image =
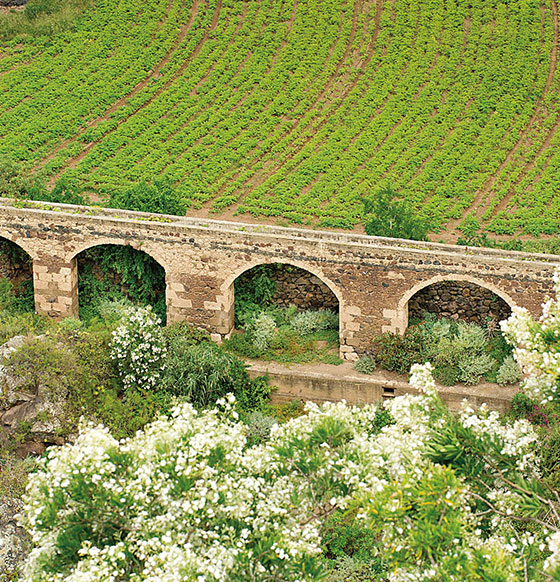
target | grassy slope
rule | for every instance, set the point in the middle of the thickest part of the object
(296, 108)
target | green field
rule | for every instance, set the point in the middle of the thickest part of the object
(298, 108)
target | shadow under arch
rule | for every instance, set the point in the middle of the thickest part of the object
(16, 265)
(400, 322)
(22, 244)
(106, 269)
(228, 288)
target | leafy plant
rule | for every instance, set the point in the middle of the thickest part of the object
(203, 373)
(366, 365)
(159, 197)
(261, 330)
(385, 216)
(508, 372)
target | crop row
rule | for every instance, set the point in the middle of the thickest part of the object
(298, 108)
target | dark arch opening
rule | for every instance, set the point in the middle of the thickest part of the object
(291, 309)
(109, 272)
(459, 300)
(16, 270)
(283, 285)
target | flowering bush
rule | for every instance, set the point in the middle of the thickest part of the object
(537, 347)
(138, 348)
(188, 498)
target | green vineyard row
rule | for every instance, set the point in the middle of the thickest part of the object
(299, 108)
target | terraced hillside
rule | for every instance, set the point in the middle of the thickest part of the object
(297, 108)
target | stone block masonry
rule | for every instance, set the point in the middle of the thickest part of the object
(372, 278)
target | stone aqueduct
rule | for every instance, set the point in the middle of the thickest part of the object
(373, 278)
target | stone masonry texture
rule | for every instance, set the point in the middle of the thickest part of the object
(372, 278)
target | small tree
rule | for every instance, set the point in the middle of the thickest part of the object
(385, 216)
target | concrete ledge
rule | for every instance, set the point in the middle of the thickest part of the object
(324, 382)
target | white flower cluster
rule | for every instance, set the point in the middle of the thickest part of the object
(137, 348)
(552, 563)
(517, 439)
(537, 346)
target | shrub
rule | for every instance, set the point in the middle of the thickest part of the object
(43, 363)
(112, 310)
(204, 373)
(158, 197)
(446, 374)
(137, 348)
(385, 216)
(259, 426)
(343, 536)
(521, 405)
(261, 331)
(184, 332)
(366, 365)
(398, 353)
(309, 321)
(473, 367)
(348, 569)
(509, 372)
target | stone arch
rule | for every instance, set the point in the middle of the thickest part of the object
(22, 244)
(227, 297)
(399, 322)
(152, 252)
(74, 258)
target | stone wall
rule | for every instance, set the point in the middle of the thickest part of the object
(10, 3)
(13, 265)
(458, 300)
(295, 286)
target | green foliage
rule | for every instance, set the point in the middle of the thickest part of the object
(447, 374)
(258, 427)
(382, 419)
(283, 412)
(346, 537)
(310, 321)
(159, 197)
(273, 117)
(16, 182)
(13, 475)
(184, 333)
(460, 351)
(521, 405)
(40, 362)
(366, 365)
(508, 372)
(347, 569)
(261, 330)
(114, 272)
(35, 8)
(385, 216)
(204, 373)
(42, 18)
(254, 290)
(288, 346)
(397, 353)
